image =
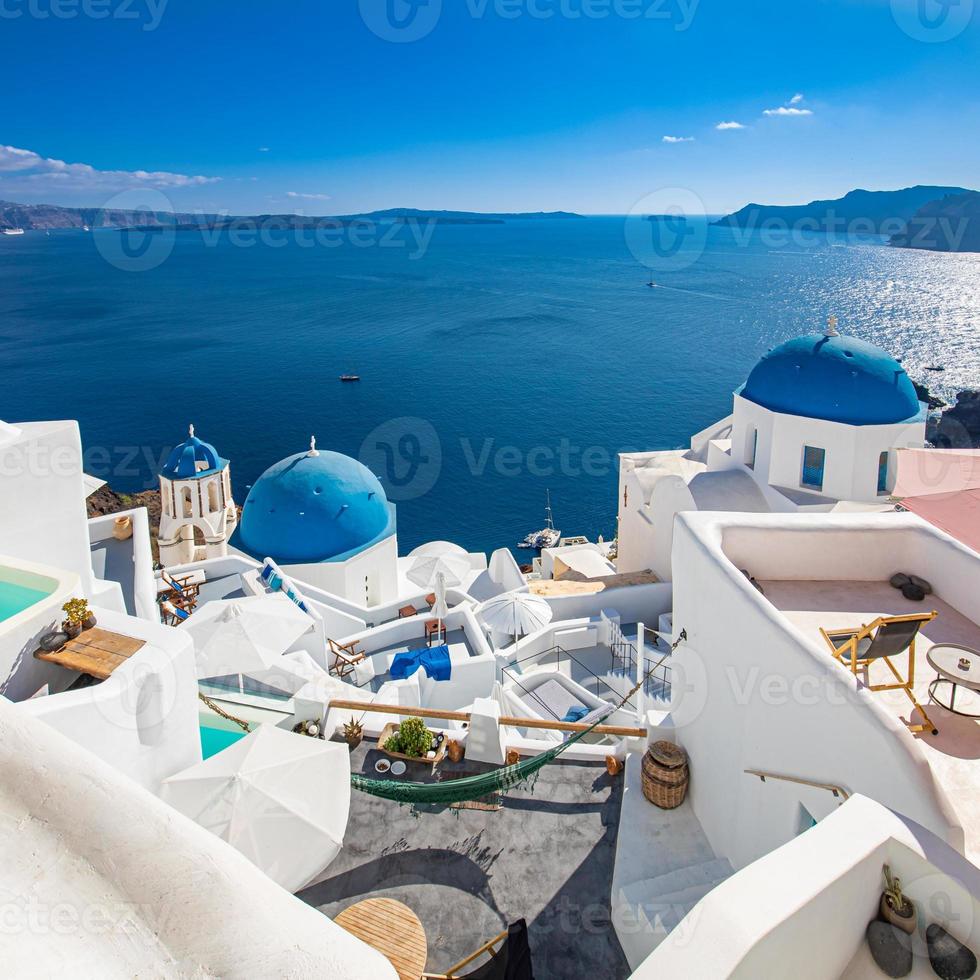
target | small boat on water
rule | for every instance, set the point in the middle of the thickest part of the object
(935, 367)
(12, 231)
(653, 285)
(548, 536)
(350, 377)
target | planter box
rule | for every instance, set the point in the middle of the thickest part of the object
(390, 729)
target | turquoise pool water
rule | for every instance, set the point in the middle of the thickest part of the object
(16, 598)
(214, 740)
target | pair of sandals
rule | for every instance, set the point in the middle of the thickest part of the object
(914, 588)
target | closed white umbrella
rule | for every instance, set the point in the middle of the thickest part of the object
(281, 799)
(435, 567)
(241, 636)
(516, 613)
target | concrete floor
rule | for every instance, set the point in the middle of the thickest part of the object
(547, 855)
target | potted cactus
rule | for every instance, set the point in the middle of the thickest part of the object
(78, 616)
(353, 733)
(895, 907)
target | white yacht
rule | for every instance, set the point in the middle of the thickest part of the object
(548, 536)
(12, 231)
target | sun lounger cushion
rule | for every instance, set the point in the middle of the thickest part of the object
(556, 699)
(435, 660)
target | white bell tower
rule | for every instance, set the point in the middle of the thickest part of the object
(196, 502)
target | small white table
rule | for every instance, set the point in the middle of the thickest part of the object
(958, 666)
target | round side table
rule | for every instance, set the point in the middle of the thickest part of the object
(958, 666)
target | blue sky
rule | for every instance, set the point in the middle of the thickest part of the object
(255, 106)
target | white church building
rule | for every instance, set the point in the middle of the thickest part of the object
(815, 428)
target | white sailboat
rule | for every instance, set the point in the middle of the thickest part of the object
(548, 536)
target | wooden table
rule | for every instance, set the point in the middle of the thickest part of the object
(433, 629)
(391, 928)
(407, 611)
(96, 651)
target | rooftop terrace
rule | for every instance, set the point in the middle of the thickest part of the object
(546, 856)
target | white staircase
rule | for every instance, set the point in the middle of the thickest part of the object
(664, 867)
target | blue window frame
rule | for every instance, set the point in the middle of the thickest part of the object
(883, 473)
(813, 466)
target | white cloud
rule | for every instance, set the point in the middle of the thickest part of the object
(308, 197)
(797, 99)
(678, 139)
(27, 168)
(729, 125)
(263, 149)
(786, 110)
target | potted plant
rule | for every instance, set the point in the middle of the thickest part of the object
(412, 739)
(455, 751)
(895, 907)
(78, 616)
(353, 733)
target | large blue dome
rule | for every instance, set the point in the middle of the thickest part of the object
(312, 508)
(840, 379)
(191, 458)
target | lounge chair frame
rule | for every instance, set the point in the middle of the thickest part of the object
(453, 972)
(849, 648)
(346, 657)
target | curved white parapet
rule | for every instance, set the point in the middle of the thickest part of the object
(809, 902)
(101, 879)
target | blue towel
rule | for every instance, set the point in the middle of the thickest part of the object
(435, 661)
(576, 714)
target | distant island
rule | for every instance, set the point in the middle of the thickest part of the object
(951, 224)
(41, 217)
(860, 212)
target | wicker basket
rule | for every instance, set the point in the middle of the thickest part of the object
(665, 775)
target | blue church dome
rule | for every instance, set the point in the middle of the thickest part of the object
(836, 378)
(313, 507)
(183, 461)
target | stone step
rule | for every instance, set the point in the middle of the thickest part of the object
(717, 869)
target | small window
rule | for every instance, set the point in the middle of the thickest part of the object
(883, 473)
(753, 449)
(813, 465)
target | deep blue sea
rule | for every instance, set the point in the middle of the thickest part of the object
(496, 362)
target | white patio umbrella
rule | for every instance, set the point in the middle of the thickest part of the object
(281, 799)
(436, 548)
(515, 613)
(239, 636)
(437, 569)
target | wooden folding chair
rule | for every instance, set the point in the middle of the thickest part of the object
(886, 637)
(346, 657)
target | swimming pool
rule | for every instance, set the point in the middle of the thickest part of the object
(19, 590)
(215, 740)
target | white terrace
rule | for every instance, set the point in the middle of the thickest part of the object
(765, 693)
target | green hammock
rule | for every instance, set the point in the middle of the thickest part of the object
(469, 787)
(475, 787)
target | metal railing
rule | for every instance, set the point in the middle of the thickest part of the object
(839, 792)
(584, 677)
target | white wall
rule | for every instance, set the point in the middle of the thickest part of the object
(751, 692)
(852, 451)
(810, 901)
(139, 889)
(143, 720)
(368, 579)
(42, 498)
